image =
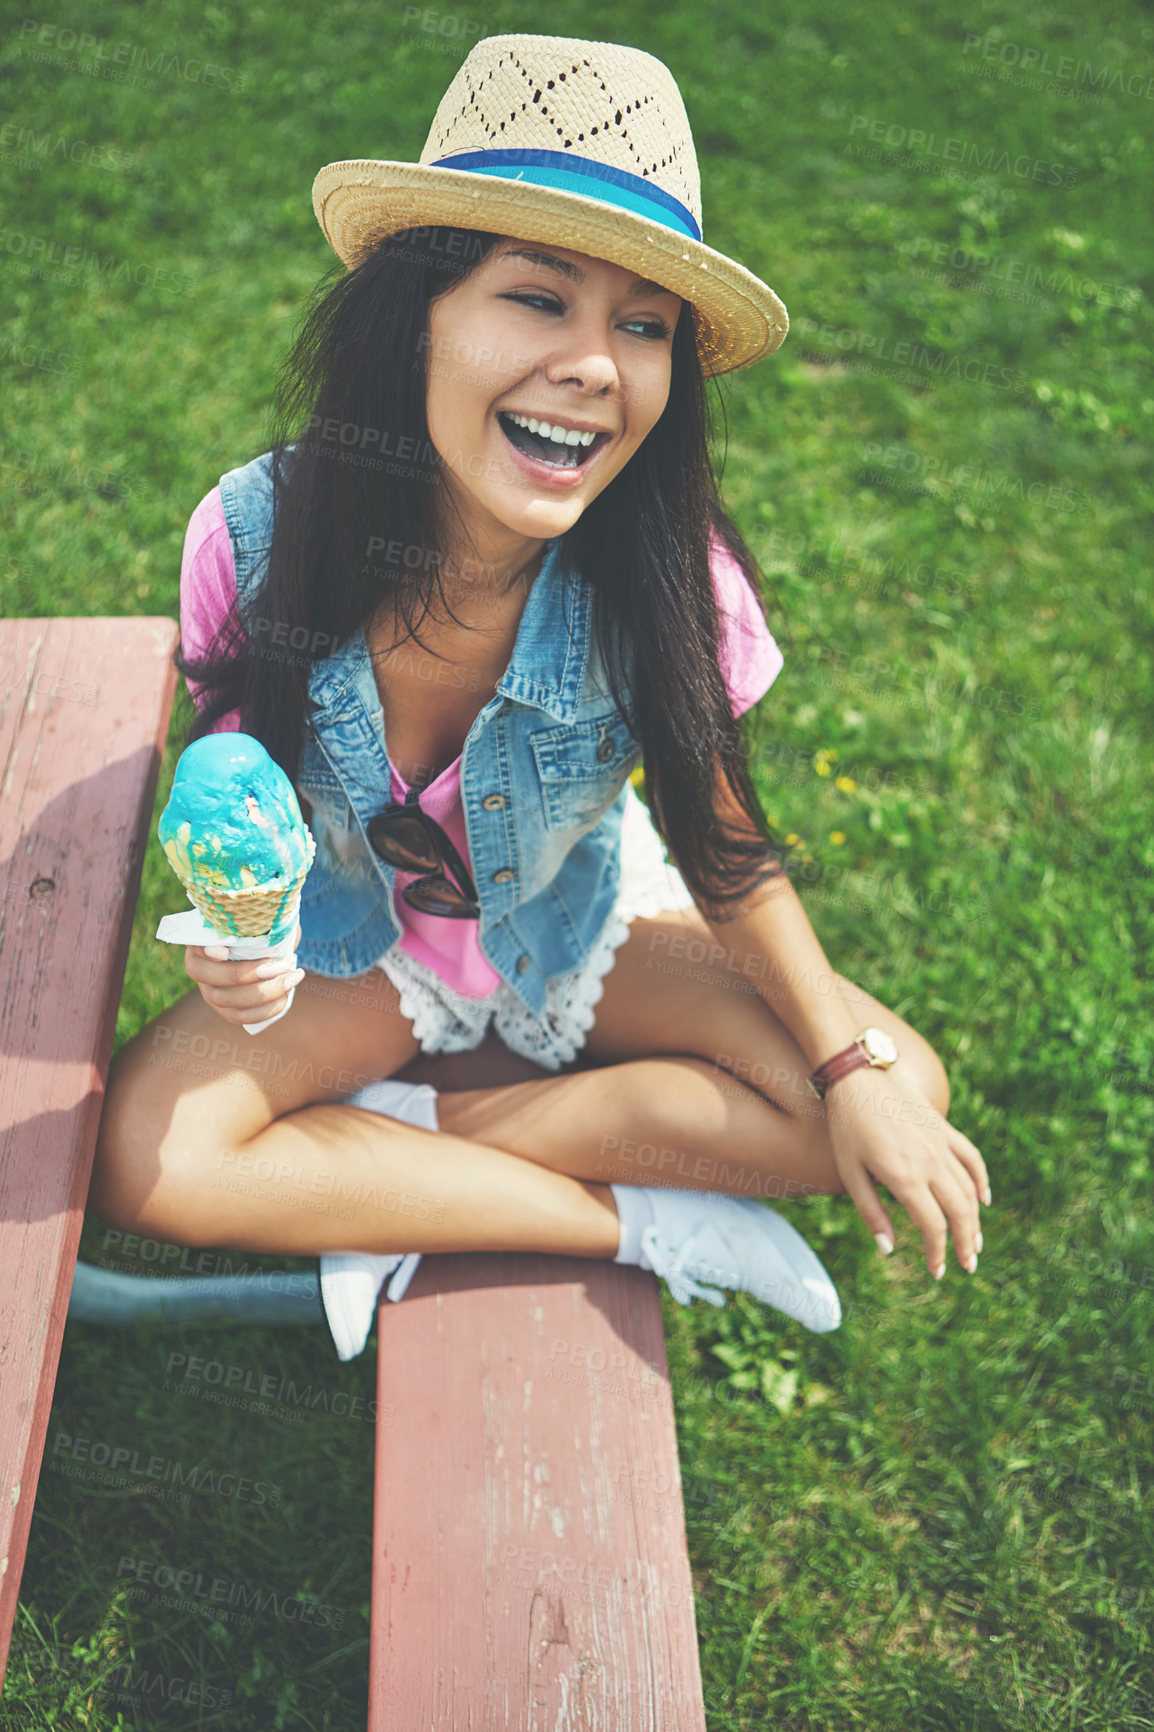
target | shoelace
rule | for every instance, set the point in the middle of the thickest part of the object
(672, 1267)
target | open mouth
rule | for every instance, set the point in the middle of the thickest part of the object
(548, 451)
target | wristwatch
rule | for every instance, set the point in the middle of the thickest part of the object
(872, 1046)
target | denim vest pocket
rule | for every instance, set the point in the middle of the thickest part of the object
(582, 768)
(334, 901)
(326, 795)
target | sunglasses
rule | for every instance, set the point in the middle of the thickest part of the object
(406, 837)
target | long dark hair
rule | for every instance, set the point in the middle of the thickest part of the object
(350, 401)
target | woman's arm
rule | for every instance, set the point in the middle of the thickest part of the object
(882, 1127)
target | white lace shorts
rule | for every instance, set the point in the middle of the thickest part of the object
(444, 1021)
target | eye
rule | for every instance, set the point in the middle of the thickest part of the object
(655, 330)
(530, 300)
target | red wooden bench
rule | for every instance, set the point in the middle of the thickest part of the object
(84, 706)
(522, 1577)
(523, 1574)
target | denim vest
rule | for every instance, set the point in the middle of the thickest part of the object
(543, 778)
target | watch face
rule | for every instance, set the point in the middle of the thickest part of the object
(879, 1046)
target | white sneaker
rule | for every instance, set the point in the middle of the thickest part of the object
(696, 1236)
(351, 1280)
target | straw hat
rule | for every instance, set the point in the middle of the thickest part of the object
(587, 144)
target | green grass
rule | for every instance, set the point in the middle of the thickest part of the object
(938, 1517)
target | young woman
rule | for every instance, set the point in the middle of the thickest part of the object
(484, 573)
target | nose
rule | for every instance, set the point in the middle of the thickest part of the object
(583, 358)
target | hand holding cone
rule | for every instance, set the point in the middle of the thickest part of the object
(234, 835)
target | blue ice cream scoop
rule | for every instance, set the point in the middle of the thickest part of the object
(232, 824)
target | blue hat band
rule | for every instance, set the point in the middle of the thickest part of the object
(568, 173)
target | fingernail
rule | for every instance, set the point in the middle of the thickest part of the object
(274, 966)
(885, 1243)
(989, 1196)
(295, 979)
(971, 1263)
(978, 1242)
(939, 1272)
(216, 953)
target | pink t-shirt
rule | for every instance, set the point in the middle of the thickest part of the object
(750, 661)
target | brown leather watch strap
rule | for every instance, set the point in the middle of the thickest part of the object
(871, 1046)
(852, 1058)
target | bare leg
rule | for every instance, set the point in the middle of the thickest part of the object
(259, 1164)
(520, 1167)
(337, 1178)
(210, 1136)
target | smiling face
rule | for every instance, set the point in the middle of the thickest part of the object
(540, 336)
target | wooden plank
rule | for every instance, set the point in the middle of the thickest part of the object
(525, 1579)
(84, 707)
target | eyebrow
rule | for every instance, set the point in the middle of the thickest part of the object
(565, 268)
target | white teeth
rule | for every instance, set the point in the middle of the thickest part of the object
(560, 435)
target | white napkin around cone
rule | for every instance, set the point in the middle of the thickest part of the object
(190, 927)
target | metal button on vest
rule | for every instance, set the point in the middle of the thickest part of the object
(522, 964)
(605, 750)
(493, 802)
(503, 877)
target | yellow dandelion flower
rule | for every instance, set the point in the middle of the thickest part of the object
(822, 767)
(845, 784)
(792, 838)
(837, 837)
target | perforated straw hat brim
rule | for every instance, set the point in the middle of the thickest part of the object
(585, 144)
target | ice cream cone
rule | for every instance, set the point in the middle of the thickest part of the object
(253, 912)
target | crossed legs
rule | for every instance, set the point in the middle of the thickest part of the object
(262, 1154)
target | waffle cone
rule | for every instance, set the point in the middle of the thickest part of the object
(253, 912)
